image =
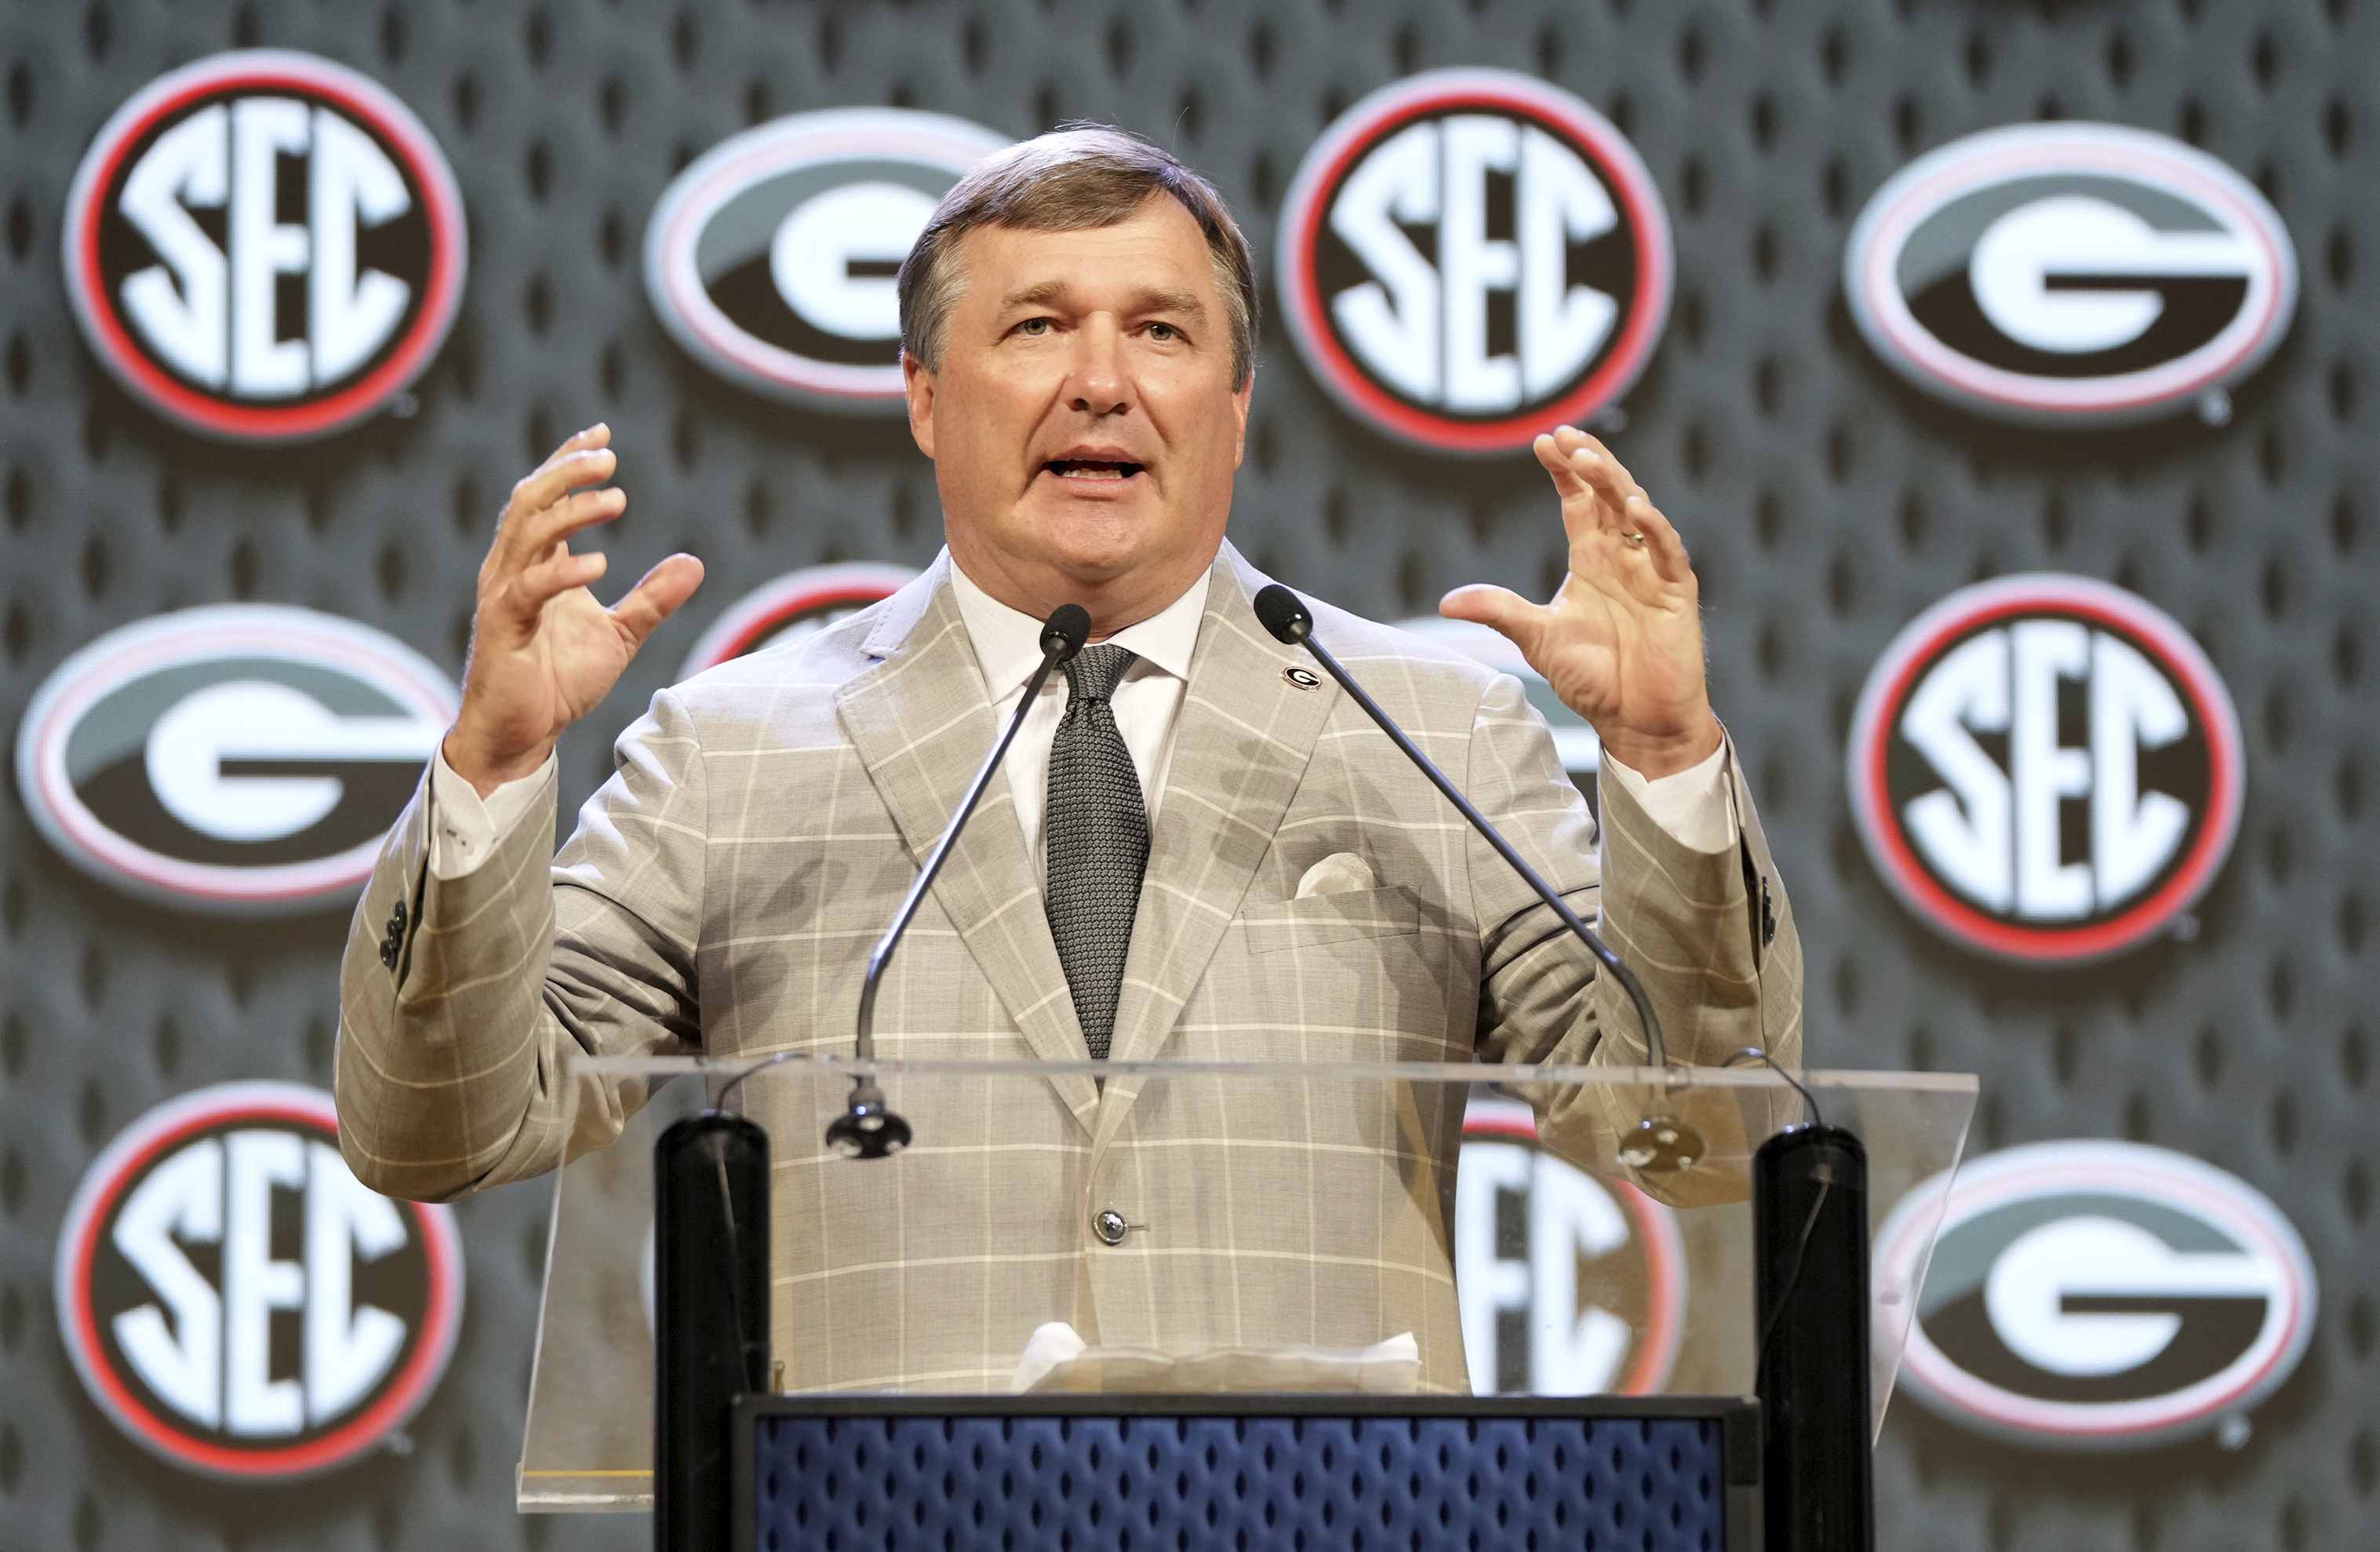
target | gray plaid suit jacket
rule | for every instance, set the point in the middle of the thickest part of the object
(724, 886)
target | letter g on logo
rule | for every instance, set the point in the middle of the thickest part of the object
(2097, 1293)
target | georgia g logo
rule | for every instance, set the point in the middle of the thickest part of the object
(240, 759)
(2101, 1294)
(2072, 274)
(1470, 257)
(772, 257)
(238, 1302)
(264, 245)
(2045, 768)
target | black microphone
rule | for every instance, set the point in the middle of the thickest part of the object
(1660, 1143)
(868, 1128)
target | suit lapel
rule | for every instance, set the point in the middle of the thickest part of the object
(920, 721)
(1239, 752)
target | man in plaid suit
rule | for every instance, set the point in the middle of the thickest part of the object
(1078, 323)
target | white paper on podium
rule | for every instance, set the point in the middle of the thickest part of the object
(1057, 1359)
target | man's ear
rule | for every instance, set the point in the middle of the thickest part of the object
(918, 383)
(1241, 399)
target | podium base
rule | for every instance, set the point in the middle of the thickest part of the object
(1188, 1474)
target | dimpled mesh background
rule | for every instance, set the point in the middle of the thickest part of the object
(1825, 505)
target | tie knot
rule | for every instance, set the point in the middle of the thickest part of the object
(1093, 673)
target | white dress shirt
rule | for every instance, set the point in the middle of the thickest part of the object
(1693, 805)
(1147, 702)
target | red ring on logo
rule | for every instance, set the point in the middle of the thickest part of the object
(363, 100)
(1369, 122)
(1656, 1229)
(1918, 647)
(773, 605)
(177, 1121)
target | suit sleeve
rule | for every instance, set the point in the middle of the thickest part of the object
(463, 999)
(1709, 934)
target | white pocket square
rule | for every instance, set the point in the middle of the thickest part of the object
(1342, 872)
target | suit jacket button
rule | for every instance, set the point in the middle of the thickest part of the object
(1110, 1226)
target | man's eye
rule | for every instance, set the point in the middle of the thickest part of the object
(1033, 326)
(1162, 331)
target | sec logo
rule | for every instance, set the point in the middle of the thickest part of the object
(772, 257)
(2101, 1294)
(244, 759)
(264, 245)
(797, 605)
(2075, 273)
(238, 1303)
(1471, 257)
(2045, 768)
(1570, 1285)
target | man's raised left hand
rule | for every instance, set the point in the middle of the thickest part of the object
(1622, 643)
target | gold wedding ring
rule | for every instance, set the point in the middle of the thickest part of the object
(1634, 538)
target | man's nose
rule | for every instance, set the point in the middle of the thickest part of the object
(1097, 384)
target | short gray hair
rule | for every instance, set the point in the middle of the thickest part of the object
(1074, 178)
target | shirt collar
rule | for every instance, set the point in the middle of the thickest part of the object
(1008, 641)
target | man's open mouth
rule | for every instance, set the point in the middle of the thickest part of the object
(1091, 469)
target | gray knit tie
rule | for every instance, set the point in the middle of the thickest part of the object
(1098, 832)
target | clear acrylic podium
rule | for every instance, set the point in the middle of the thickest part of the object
(1169, 1240)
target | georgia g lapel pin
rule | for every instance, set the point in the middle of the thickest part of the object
(1303, 678)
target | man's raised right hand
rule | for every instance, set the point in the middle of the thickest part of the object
(543, 652)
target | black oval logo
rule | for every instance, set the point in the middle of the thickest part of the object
(2097, 1293)
(771, 258)
(2071, 273)
(264, 245)
(245, 759)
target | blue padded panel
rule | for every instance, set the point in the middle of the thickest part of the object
(1238, 1485)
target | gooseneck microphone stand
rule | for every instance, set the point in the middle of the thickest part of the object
(1661, 1144)
(1809, 1191)
(867, 1128)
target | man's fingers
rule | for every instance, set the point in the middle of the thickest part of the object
(1593, 485)
(563, 473)
(1552, 453)
(540, 584)
(597, 435)
(567, 518)
(528, 532)
(584, 459)
(1662, 544)
(1499, 608)
(1605, 475)
(657, 596)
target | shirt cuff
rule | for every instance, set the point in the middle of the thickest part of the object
(464, 826)
(1694, 807)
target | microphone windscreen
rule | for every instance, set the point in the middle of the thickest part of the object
(1283, 612)
(1063, 633)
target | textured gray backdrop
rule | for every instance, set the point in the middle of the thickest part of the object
(1825, 504)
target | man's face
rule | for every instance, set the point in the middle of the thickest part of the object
(1084, 424)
